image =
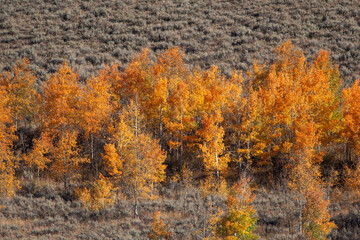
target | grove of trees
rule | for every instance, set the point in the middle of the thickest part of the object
(121, 133)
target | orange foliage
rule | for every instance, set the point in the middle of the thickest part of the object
(159, 230)
(351, 116)
(61, 100)
(290, 92)
(8, 183)
(36, 158)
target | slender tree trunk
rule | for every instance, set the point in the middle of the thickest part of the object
(93, 161)
(217, 167)
(160, 127)
(181, 159)
(38, 174)
(136, 214)
(248, 155)
(181, 147)
(65, 184)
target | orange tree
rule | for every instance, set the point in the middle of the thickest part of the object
(94, 114)
(61, 120)
(8, 184)
(305, 181)
(284, 89)
(351, 136)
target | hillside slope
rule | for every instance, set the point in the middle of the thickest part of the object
(231, 34)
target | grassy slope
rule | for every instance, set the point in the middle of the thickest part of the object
(231, 34)
(227, 33)
(43, 214)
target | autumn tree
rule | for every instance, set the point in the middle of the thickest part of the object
(134, 157)
(8, 183)
(351, 118)
(159, 229)
(95, 112)
(242, 123)
(306, 183)
(351, 136)
(284, 89)
(61, 121)
(162, 89)
(98, 196)
(211, 97)
(20, 84)
(38, 158)
(24, 101)
(213, 149)
(179, 119)
(239, 220)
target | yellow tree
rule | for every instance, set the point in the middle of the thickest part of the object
(98, 196)
(242, 123)
(8, 183)
(210, 98)
(66, 158)
(213, 148)
(161, 88)
(351, 118)
(179, 119)
(61, 100)
(134, 157)
(159, 229)
(169, 72)
(239, 221)
(20, 83)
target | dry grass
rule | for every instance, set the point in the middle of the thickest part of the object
(227, 33)
(185, 214)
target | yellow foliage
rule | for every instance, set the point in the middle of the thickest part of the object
(19, 83)
(239, 221)
(99, 196)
